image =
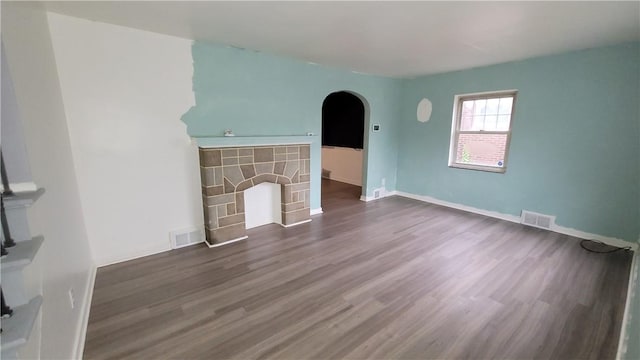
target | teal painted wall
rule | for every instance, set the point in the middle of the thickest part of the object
(257, 94)
(575, 150)
(575, 147)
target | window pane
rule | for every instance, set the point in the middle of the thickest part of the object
(466, 117)
(477, 124)
(492, 106)
(481, 149)
(467, 106)
(479, 107)
(505, 105)
(503, 122)
(490, 122)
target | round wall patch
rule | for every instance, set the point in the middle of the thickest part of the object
(424, 110)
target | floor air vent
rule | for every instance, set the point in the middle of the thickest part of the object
(537, 220)
(186, 237)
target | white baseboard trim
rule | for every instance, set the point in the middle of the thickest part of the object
(225, 243)
(21, 187)
(516, 219)
(595, 237)
(623, 342)
(431, 200)
(133, 257)
(295, 224)
(315, 211)
(84, 314)
(245, 237)
(382, 196)
(344, 180)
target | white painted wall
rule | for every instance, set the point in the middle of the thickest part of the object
(14, 151)
(262, 205)
(64, 261)
(124, 92)
(345, 164)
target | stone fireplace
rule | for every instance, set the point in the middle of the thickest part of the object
(226, 172)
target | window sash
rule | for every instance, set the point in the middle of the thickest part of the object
(482, 132)
(490, 95)
(496, 95)
(454, 150)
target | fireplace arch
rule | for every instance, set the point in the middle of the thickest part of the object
(227, 172)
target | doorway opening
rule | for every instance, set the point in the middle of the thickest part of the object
(344, 147)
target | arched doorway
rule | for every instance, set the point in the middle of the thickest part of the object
(344, 142)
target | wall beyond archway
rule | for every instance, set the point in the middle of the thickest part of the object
(345, 120)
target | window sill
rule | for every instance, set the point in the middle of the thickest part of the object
(499, 170)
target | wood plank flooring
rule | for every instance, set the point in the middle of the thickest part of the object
(393, 278)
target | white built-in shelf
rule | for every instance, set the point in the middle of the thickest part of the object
(16, 329)
(22, 254)
(22, 199)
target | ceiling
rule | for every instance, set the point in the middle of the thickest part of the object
(399, 39)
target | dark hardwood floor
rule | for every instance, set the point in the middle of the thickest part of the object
(392, 278)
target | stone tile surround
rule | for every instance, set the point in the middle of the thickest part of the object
(227, 172)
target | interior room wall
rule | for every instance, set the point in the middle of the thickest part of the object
(343, 164)
(125, 172)
(124, 92)
(257, 94)
(574, 148)
(64, 261)
(14, 150)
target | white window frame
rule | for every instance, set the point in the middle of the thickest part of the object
(455, 129)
